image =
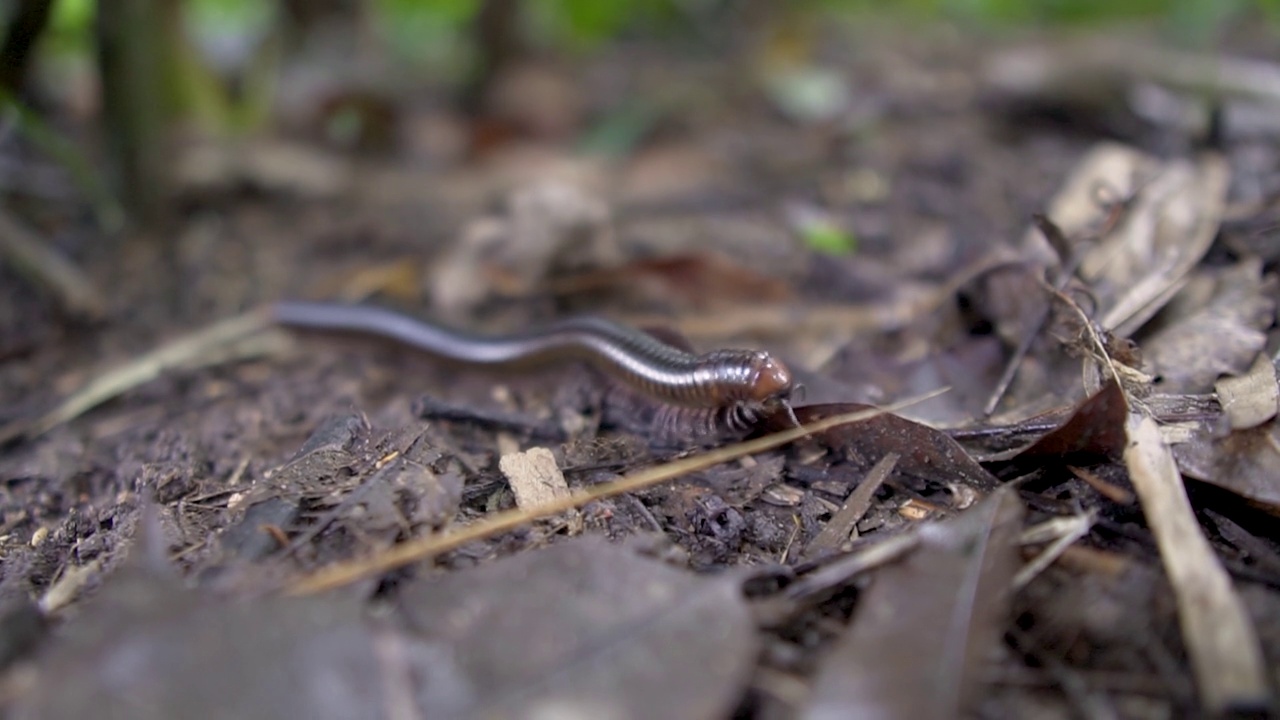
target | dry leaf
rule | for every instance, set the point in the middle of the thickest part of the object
(535, 477)
(1168, 215)
(1251, 399)
(924, 631)
(1219, 328)
(1243, 462)
(924, 452)
(549, 226)
(583, 629)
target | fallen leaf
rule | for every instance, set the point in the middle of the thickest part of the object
(549, 227)
(1243, 462)
(1157, 219)
(147, 648)
(1253, 398)
(922, 634)
(1216, 331)
(1094, 432)
(584, 629)
(924, 452)
(701, 280)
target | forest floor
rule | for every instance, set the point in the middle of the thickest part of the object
(250, 521)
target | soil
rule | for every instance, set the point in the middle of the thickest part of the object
(228, 479)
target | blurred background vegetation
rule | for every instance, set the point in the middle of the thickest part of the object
(138, 68)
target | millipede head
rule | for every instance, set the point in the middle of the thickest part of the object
(771, 380)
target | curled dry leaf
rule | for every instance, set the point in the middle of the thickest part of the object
(1253, 398)
(1158, 219)
(1095, 431)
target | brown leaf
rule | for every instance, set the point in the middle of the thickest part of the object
(923, 631)
(585, 629)
(925, 452)
(1218, 328)
(700, 279)
(1244, 462)
(1157, 220)
(146, 648)
(1095, 431)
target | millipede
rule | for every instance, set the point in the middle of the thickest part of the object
(724, 389)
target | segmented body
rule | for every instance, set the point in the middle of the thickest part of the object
(723, 386)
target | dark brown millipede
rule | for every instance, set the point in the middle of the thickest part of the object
(732, 386)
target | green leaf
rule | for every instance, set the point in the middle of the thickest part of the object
(829, 239)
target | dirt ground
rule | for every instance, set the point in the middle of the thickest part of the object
(170, 547)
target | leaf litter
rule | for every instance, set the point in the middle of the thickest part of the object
(1093, 534)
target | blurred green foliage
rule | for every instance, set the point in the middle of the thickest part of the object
(434, 31)
(583, 23)
(427, 32)
(230, 19)
(829, 239)
(69, 26)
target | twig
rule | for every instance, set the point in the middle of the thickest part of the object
(106, 209)
(1220, 639)
(841, 526)
(214, 344)
(1116, 211)
(422, 548)
(43, 265)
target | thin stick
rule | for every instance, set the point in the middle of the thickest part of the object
(421, 548)
(842, 524)
(43, 265)
(213, 344)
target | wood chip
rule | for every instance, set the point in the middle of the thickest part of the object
(535, 478)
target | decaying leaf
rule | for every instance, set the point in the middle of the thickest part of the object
(549, 226)
(1244, 462)
(700, 280)
(1220, 324)
(583, 629)
(924, 452)
(923, 631)
(274, 165)
(147, 648)
(1092, 76)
